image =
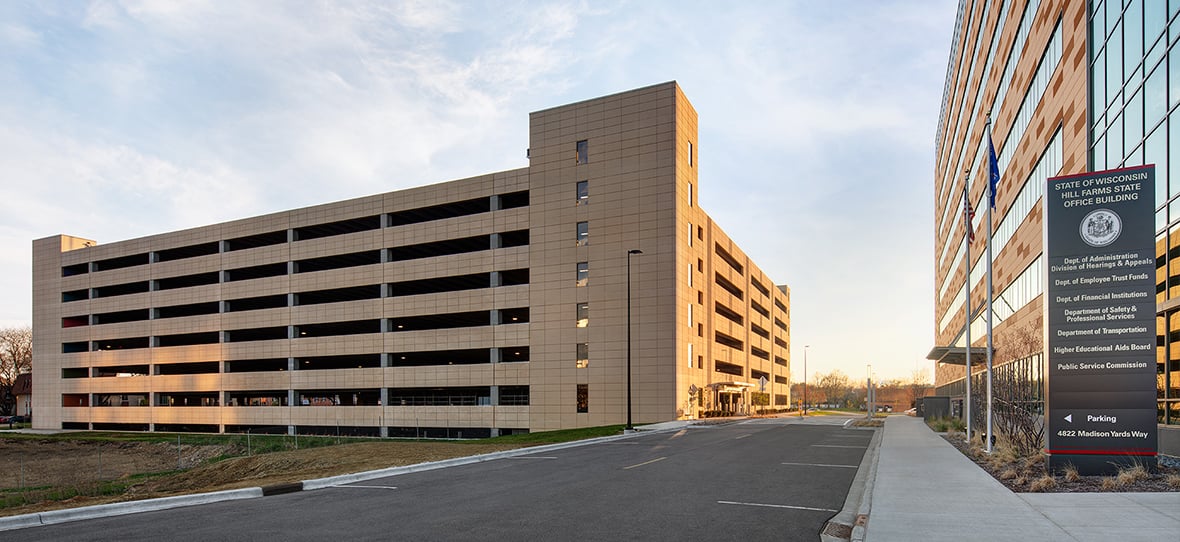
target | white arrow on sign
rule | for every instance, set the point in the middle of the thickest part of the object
(1069, 418)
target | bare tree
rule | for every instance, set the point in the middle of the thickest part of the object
(16, 357)
(835, 386)
(1018, 342)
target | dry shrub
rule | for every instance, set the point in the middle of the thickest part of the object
(1008, 474)
(1128, 476)
(1044, 483)
(1071, 474)
(1110, 483)
(1022, 480)
(1173, 481)
(1034, 462)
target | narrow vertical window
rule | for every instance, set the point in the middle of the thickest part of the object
(690, 234)
(690, 159)
(583, 233)
(583, 151)
(690, 355)
(583, 192)
(690, 315)
(583, 355)
(690, 275)
(583, 319)
(583, 398)
(690, 194)
(583, 273)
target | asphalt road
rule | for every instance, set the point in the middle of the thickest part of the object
(758, 480)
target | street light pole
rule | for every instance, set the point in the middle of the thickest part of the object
(630, 426)
(805, 347)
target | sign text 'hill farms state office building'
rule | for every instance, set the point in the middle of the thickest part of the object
(470, 308)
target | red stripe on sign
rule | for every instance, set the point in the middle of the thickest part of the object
(1103, 452)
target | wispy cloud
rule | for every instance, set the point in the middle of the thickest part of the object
(126, 118)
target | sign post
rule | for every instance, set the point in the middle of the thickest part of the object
(1100, 320)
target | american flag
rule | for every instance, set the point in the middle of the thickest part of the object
(969, 217)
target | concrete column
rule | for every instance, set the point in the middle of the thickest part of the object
(383, 429)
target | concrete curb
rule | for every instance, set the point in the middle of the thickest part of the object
(859, 502)
(121, 508)
(149, 505)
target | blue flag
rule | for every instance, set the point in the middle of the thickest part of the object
(994, 166)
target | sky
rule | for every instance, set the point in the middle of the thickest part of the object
(121, 119)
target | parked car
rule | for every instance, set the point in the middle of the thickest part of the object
(21, 419)
(7, 419)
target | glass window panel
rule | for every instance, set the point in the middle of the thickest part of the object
(1098, 74)
(583, 354)
(1155, 18)
(1113, 11)
(1114, 143)
(1133, 123)
(1157, 153)
(1114, 64)
(1174, 6)
(1100, 153)
(583, 190)
(1156, 52)
(583, 151)
(1174, 152)
(1135, 157)
(1173, 209)
(1174, 68)
(1098, 24)
(583, 273)
(1161, 219)
(583, 232)
(1133, 36)
(583, 318)
(1155, 98)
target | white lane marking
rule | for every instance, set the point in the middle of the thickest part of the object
(533, 457)
(822, 465)
(836, 446)
(368, 487)
(645, 463)
(740, 436)
(778, 506)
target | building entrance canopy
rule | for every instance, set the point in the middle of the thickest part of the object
(957, 355)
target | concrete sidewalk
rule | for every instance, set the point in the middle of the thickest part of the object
(925, 489)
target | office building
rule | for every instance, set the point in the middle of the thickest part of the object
(1070, 87)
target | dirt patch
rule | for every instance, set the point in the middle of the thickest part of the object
(39, 468)
(1030, 474)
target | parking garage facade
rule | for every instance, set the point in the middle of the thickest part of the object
(472, 308)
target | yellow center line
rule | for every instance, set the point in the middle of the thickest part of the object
(645, 463)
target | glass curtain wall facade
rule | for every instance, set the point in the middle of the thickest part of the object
(1134, 119)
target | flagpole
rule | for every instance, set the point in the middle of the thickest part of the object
(993, 174)
(967, 281)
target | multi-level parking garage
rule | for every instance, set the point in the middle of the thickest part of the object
(470, 308)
